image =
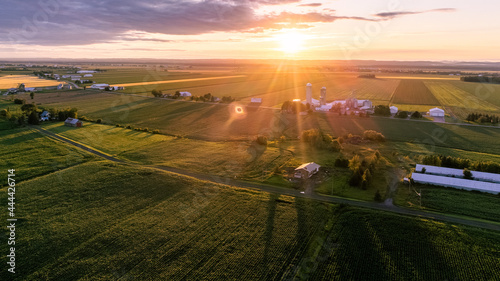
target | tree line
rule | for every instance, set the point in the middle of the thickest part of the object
(480, 118)
(481, 79)
(461, 163)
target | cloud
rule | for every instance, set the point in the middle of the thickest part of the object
(311, 5)
(78, 22)
(391, 15)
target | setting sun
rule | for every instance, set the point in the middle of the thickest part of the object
(291, 41)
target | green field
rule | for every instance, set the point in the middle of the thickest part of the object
(452, 201)
(413, 92)
(108, 221)
(32, 154)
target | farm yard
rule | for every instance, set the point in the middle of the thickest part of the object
(149, 224)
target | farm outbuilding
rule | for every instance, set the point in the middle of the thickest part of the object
(457, 173)
(394, 110)
(256, 100)
(436, 112)
(185, 94)
(73, 122)
(457, 183)
(306, 170)
(99, 86)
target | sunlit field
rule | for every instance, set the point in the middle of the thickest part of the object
(13, 81)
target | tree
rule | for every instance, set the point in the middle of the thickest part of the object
(33, 118)
(32, 95)
(28, 108)
(378, 196)
(261, 140)
(156, 93)
(382, 110)
(416, 115)
(354, 163)
(366, 179)
(402, 114)
(467, 174)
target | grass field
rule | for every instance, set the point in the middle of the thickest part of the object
(13, 81)
(31, 154)
(452, 201)
(147, 224)
(413, 92)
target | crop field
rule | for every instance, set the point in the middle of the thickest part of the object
(13, 81)
(32, 154)
(221, 122)
(482, 91)
(227, 159)
(413, 92)
(148, 224)
(452, 201)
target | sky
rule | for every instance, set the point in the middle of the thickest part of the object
(437, 30)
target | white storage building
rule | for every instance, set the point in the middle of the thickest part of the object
(436, 112)
(458, 183)
(450, 172)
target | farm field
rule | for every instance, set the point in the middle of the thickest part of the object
(452, 201)
(220, 122)
(13, 81)
(413, 92)
(32, 154)
(482, 91)
(147, 224)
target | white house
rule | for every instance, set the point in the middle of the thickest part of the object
(306, 170)
(394, 110)
(99, 86)
(185, 94)
(436, 112)
(45, 116)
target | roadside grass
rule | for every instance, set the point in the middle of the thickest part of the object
(109, 221)
(32, 154)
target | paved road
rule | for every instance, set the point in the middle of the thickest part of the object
(285, 191)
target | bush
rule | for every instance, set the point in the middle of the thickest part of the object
(416, 115)
(402, 114)
(355, 178)
(467, 174)
(99, 121)
(19, 101)
(118, 125)
(373, 136)
(378, 196)
(33, 118)
(129, 127)
(319, 140)
(341, 163)
(261, 140)
(382, 110)
(156, 131)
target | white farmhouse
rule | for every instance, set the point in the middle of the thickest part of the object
(307, 170)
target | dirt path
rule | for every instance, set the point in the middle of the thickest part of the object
(175, 81)
(285, 191)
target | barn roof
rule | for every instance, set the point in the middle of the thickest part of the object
(436, 109)
(71, 120)
(457, 173)
(309, 167)
(457, 183)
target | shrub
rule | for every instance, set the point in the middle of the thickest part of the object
(19, 101)
(382, 110)
(156, 131)
(33, 118)
(467, 174)
(416, 115)
(261, 140)
(99, 121)
(129, 127)
(118, 125)
(402, 114)
(341, 163)
(355, 178)
(378, 196)
(373, 136)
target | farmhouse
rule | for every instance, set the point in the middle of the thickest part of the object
(448, 177)
(436, 112)
(45, 116)
(394, 110)
(73, 122)
(185, 94)
(307, 170)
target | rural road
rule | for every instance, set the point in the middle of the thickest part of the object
(285, 191)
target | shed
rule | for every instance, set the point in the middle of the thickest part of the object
(73, 122)
(88, 75)
(256, 100)
(185, 94)
(306, 170)
(394, 110)
(99, 86)
(436, 112)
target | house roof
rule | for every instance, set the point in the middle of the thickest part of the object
(393, 107)
(45, 114)
(71, 120)
(309, 167)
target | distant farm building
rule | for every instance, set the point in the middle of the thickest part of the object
(88, 75)
(73, 122)
(306, 171)
(256, 100)
(45, 116)
(394, 110)
(29, 89)
(350, 104)
(99, 86)
(448, 177)
(436, 112)
(185, 94)
(76, 77)
(85, 71)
